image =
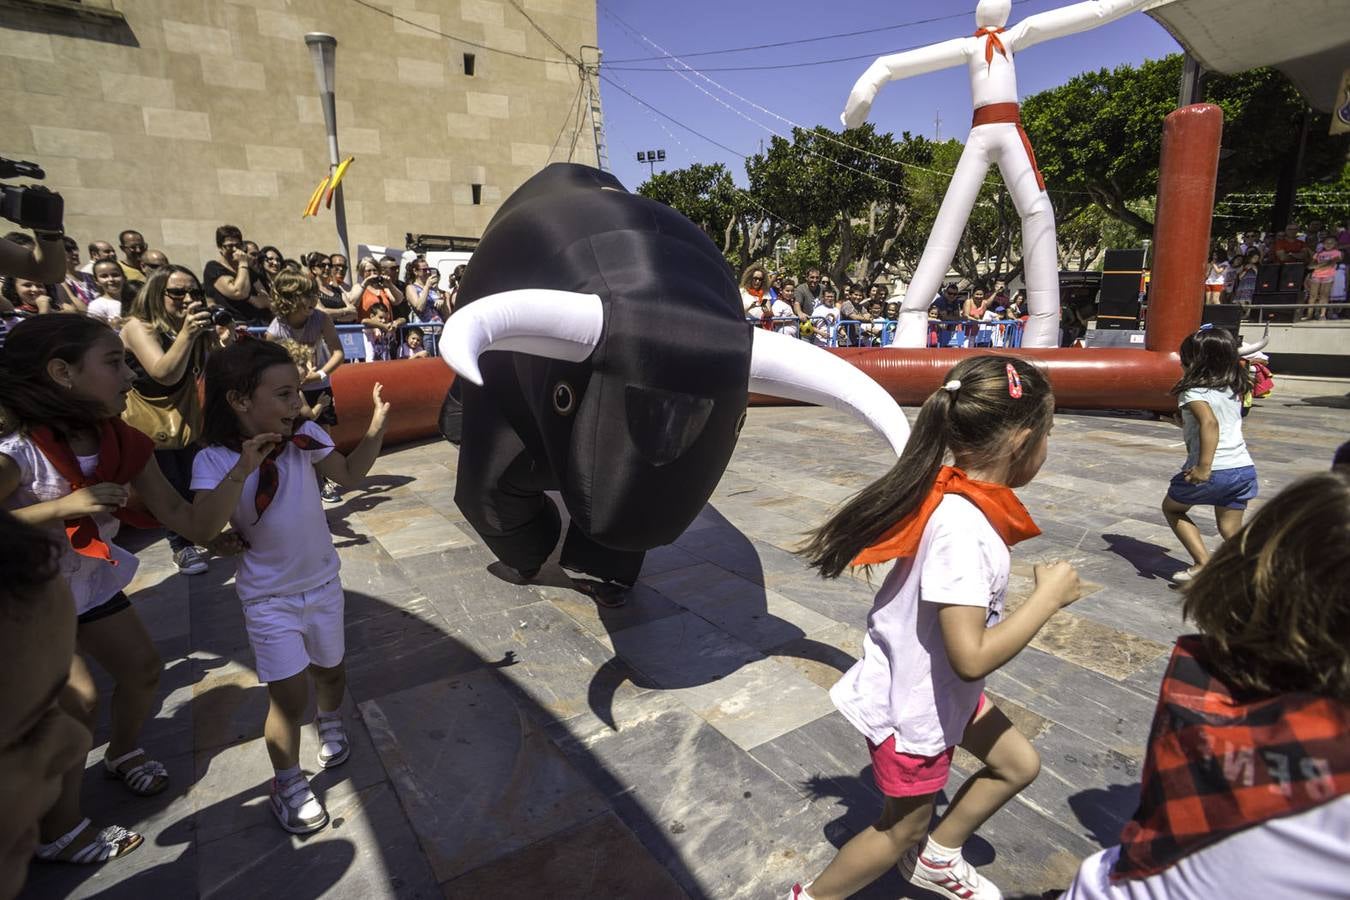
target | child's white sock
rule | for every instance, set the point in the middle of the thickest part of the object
(935, 852)
(285, 775)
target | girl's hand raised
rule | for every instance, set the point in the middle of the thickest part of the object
(255, 450)
(381, 410)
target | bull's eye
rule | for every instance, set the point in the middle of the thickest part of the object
(564, 399)
(740, 423)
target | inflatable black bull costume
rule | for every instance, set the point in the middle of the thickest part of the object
(604, 353)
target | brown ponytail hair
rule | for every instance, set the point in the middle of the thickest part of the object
(973, 421)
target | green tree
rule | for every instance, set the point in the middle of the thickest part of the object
(1098, 137)
(853, 186)
(706, 194)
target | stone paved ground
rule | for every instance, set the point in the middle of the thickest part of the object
(510, 740)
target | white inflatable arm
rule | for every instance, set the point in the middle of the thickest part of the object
(895, 67)
(1069, 20)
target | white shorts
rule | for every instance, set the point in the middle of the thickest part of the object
(290, 631)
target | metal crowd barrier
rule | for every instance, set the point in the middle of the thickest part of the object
(353, 338)
(855, 333)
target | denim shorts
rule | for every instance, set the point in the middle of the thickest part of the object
(1229, 488)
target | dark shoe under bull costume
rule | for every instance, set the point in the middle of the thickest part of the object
(604, 354)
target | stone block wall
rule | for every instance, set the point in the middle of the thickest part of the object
(179, 115)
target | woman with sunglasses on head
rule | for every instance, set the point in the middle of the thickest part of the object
(168, 335)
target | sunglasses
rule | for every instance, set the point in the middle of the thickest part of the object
(275, 260)
(180, 293)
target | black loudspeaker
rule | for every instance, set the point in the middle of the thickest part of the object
(1118, 315)
(1275, 315)
(1120, 287)
(1291, 277)
(1077, 289)
(1268, 278)
(1123, 261)
(1227, 317)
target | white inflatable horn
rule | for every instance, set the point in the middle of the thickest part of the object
(566, 325)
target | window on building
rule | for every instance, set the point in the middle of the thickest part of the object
(468, 64)
(477, 194)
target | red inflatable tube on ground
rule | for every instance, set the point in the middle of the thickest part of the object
(1082, 379)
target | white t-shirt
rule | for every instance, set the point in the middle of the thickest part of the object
(1231, 451)
(105, 309)
(290, 548)
(1305, 856)
(92, 581)
(904, 685)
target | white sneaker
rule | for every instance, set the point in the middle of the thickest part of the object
(296, 807)
(955, 878)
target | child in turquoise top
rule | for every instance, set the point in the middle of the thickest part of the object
(1218, 471)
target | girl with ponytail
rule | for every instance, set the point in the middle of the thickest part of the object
(946, 514)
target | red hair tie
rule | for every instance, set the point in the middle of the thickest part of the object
(1014, 383)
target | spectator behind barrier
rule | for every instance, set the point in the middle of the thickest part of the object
(133, 248)
(111, 303)
(229, 283)
(754, 286)
(331, 302)
(77, 288)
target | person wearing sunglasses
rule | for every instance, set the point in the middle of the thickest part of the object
(230, 283)
(168, 335)
(264, 266)
(331, 303)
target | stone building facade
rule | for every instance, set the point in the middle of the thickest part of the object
(174, 116)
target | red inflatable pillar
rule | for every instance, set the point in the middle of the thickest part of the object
(1186, 176)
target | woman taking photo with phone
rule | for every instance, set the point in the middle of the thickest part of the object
(425, 298)
(168, 336)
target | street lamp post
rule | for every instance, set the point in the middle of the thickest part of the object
(651, 158)
(323, 50)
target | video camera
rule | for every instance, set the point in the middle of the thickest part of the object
(31, 206)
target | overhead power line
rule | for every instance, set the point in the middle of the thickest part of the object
(966, 14)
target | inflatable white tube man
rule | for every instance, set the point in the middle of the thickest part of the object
(996, 138)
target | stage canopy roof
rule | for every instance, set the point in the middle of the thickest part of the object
(1307, 40)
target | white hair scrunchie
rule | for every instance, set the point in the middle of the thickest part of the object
(952, 386)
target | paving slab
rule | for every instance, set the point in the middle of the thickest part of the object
(520, 740)
(475, 777)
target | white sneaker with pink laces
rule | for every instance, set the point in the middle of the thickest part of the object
(953, 878)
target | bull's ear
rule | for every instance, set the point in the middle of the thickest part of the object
(556, 324)
(783, 366)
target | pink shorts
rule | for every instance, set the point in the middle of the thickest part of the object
(907, 775)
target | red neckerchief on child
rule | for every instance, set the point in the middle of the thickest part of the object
(992, 43)
(269, 476)
(997, 501)
(122, 453)
(1219, 762)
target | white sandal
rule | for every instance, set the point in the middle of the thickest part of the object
(146, 779)
(110, 843)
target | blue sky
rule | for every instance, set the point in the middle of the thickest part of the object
(809, 95)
